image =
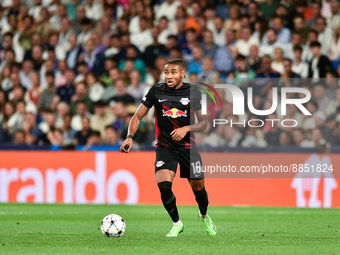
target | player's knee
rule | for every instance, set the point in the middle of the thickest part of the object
(166, 190)
(197, 185)
(202, 197)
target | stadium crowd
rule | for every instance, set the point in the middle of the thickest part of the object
(72, 72)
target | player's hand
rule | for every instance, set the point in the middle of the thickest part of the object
(126, 146)
(179, 133)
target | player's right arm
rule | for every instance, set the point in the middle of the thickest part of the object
(147, 102)
(133, 127)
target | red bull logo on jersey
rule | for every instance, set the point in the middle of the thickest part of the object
(174, 113)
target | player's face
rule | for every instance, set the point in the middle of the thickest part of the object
(173, 75)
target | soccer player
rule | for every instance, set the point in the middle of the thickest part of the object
(176, 104)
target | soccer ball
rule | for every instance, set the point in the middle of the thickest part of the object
(113, 225)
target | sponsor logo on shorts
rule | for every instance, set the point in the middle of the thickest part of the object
(174, 113)
(160, 163)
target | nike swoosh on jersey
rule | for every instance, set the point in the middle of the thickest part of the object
(159, 100)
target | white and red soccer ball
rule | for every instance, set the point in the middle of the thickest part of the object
(113, 225)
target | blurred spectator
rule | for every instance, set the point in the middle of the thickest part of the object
(16, 121)
(332, 83)
(82, 71)
(223, 60)
(144, 37)
(37, 57)
(94, 139)
(268, 8)
(55, 137)
(316, 12)
(111, 137)
(283, 33)
(294, 42)
(25, 39)
(106, 30)
(25, 74)
(65, 32)
(299, 138)
(334, 53)
(273, 136)
(262, 85)
(219, 32)
(132, 54)
(231, 136)
(9, 59)
(82, 135)
(277, 63)
(317, 138)
(285, 139)
(58, 16)
(208, 46)
(76, 24)
(66, 92)
(33, 133)
(33, 94)
(121, 113)
(136, 88)
(330, 131)
(253, 138)
(95, 88)
(163, 30)
(44, 26)
(233, 22)
(93, 58)
(19, 137)
(334, 103)
(288, 77)
(72, 9)
(46, 99)
(86, 31)
(325, 34)
(154, 49)
(168, 9)
(319, 64)
(254, 60)
(320, 97)
(122, 95)
(273, 43)
(309, 122)
(67, 131)
(94, 10)
(101, 118)
(196, 65)
(243, 74)
(62, 110)
(80, 95)
(307, 54)
(301, 28)
(208, 72)
(300, 67)
(334, 20)
(82, 111)
(246, 41)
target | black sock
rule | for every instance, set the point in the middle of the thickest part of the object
(169, 199)
(202, 200)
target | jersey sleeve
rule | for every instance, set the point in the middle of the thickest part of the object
(149, 99)
(197, 99)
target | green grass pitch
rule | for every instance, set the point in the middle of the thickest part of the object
(74, 229)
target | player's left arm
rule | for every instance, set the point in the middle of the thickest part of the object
(179, 133)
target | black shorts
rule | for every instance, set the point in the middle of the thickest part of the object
(189, 160)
